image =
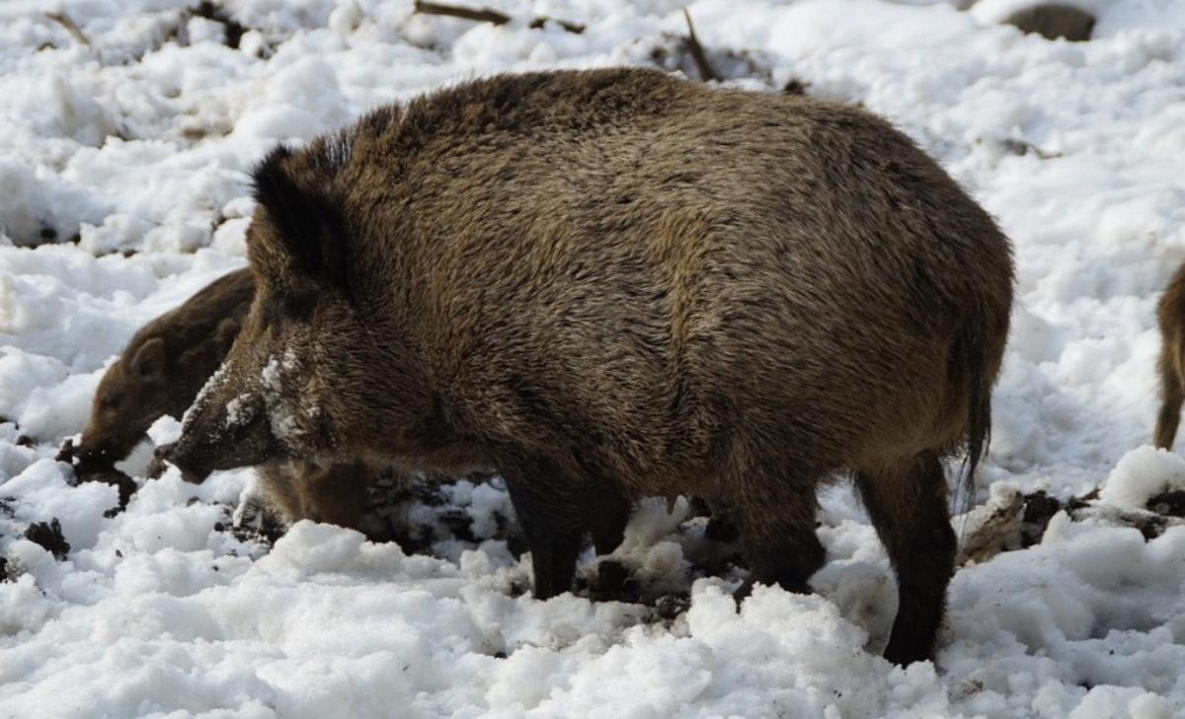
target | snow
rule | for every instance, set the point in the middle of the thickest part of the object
(1142, 474)
(140, 143)
(285, 411)
(239, 411)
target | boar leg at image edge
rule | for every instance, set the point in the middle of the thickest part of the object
(908, 507)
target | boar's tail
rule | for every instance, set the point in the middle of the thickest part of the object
(969, 355)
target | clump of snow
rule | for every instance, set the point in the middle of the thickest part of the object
(285, 411)
(165, 430)
(1142, 474)
(240, 411)
(271, 375)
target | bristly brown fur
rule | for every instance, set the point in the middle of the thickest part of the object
(613, 283)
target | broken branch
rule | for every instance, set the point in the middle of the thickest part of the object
(64, 20)
(706, 72)
(486, 15)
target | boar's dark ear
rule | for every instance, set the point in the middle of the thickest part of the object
(227, 330)
(309, 228)
(149, 360)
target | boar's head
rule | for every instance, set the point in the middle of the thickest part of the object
(131, 396)
(296, 360)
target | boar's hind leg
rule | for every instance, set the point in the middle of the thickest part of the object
(907, 504)
(778, 534)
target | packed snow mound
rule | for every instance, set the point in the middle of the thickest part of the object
(1142, 474)
(127, 136)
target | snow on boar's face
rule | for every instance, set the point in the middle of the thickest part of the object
(273, 397)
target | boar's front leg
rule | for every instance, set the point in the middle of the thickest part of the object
(907, 505)
(607, 511)
(777, 526)
(555, 511)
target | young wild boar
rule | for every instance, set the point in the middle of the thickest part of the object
(1170, 316)
(614, 283)
(161, 371)
(164, 366)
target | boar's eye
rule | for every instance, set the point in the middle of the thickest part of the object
(294, 307)
(300, 306)
(110, 403)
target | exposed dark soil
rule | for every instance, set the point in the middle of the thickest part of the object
(49, 535)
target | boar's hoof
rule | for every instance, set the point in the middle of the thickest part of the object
(742, 592)
(905, 652)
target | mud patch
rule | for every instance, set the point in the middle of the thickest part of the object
(1169, 504)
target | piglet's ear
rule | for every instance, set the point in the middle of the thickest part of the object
(308, 231)
(149, 360)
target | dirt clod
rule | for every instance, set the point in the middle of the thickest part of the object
(1039, 508)
(1171, 503)
(671, 606)
(49, 536)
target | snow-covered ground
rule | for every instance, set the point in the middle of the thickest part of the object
(130, 155)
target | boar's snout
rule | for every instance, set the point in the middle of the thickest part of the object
(220, 433)
(194, 467)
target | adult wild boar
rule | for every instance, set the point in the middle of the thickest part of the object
(163, 368)
(615, 283)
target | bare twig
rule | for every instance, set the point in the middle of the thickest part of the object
(1020, 147)
(573, 27)
(706, 72)
(64, 20)
(486, 15)
(480, 15)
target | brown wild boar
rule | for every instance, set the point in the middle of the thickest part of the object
(613, 283)
(160, 372)
(1170, 316)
